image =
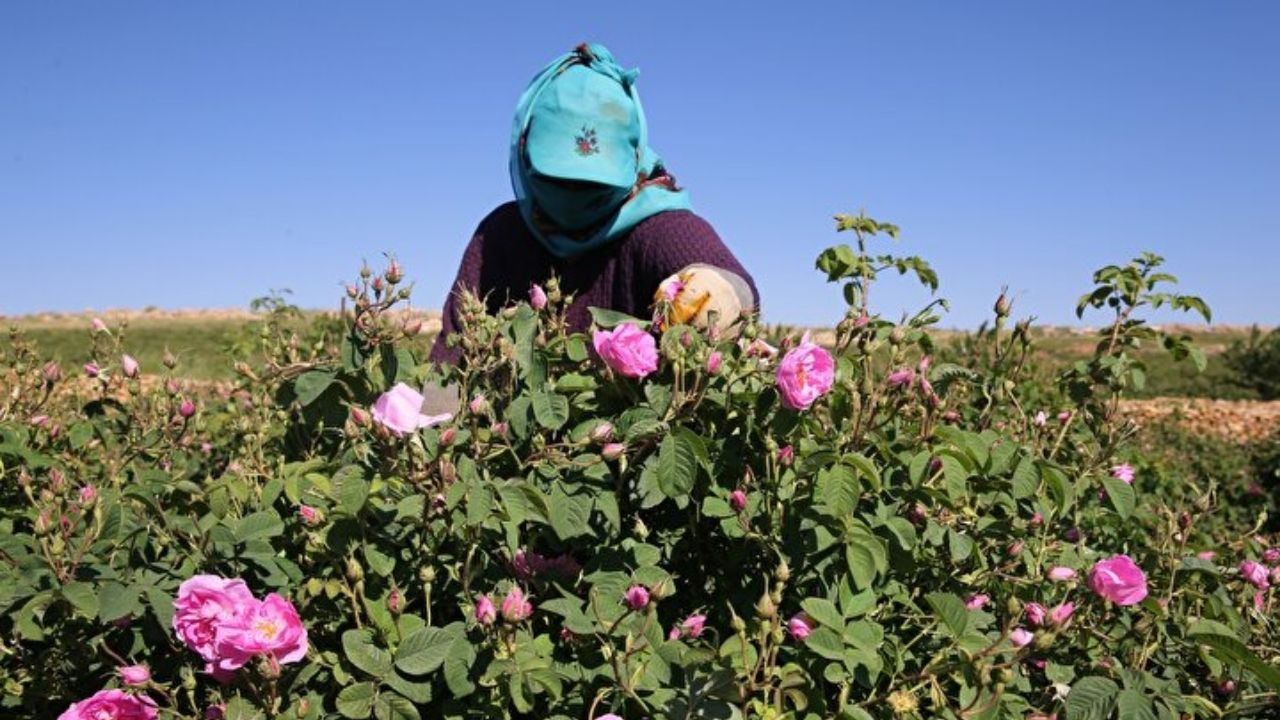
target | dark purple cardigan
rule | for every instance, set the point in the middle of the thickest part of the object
(504, 259)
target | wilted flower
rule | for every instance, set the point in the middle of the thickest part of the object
(693, 625)
(1041, 419)
(134, 674)
(1256, 573)
(977, 602)
(786, 454)
(515, 607)
(805, 374)
(1062, 613)
(1119, 580)
(400, 410)
(761, 349)
(738, 500)
(901, 377)
(1271, 556)
(111, 705)
(637, 597)
(537, 296)
(129, 366)
(628, 350)
(1061, 573)
(486, 613)
(799, 626)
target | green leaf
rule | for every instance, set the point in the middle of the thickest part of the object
(116, 601)
(311, 385)
(1133, 705)
(1091, 698)
(950, 610)
(423, 651)
(1121, 496)
(350, 489)
(679, 456)
(238, 708)
(391, 706)
(824, 611)
(356, 701)
(83, 597)
(570, 514)
(258, 526)
(1026, 479)
(959, 545)
(1231, 649)
(825, 642)
(550, 410)
(862, 563)
(361, 651)
(606, 318)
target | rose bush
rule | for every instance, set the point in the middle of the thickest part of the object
(622, 524)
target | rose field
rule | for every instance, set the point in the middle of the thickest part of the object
(646, 520)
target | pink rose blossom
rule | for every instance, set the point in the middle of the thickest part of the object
(270, 627)
(786, 454)
(1271, 556)
(805, 374)
(693, 625)
(1060, 573)
(537, 296)
(1119, 580)
(515, 607)
(88, 494)
(1021, 637)
(1036, 614)
(478, 405)
(637, 597)
(901, 377)
(1037, 520)
(1062, 613)
(738, 500)
(309, 515)
(1123, 472)
(673, 633)
(205, 605)
(111, 705)
(799, 626)
(977, 602)
(761, 349)
(134, 674)
(129, 366)
(628, 350)
(400, 410)
(1255, 573)
(608, 716)
(714, 361)
(486, 613)
(97, 325)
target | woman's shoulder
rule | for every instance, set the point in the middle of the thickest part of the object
(680, 225)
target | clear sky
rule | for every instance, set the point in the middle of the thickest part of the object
(196, 154)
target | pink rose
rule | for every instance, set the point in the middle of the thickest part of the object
(693, 625)
(637, 597)
(977, 602)
(271, 628)
(1123, 472)
(613, 451)
(400, 410)
(799, 626)
(111, 705)
(537, 296)
(187, 408)
(515, 607)
(786, 454)
(478, 404)
(97, 325)
(1255, 573)
(134, 674)
(88, 494)
(129, 365)
(738, 500)
(91, 369)
(1064, 416)
(1207, 555)
(761, 349)
(309, 515)
(901, 377)
(486, 613)
(608, 716)
(1061, 574)
(1021, 637)
(1271, 556)
(1119, 580)
(1062, 613)
(714, 361)
(805, 374)
(628, 350)
(1036, 614)
(205, 604)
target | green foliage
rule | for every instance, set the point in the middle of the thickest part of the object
(821, 563)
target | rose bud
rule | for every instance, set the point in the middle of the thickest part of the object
(637, 597)
(129, 366)
(187, 408)
(613, 451)
(52, 373)
(537, 297)
(602, 432)
(738, 500)
(134, 674)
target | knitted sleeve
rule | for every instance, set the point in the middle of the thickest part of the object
(673, 240)
(468, 278)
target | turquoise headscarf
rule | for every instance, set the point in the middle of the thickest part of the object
(581, 167)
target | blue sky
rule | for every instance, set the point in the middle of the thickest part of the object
(197, 154)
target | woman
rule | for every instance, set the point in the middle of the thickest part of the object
(596, 208)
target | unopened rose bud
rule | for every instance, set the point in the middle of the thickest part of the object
(537, 297)
(613, 451)
(52, 373)
(1072, 535)
(786, 455)
(355, 572)
(129, 366)
(395, 601)
(897, 335)
(765, 607)
(738, 500)
(352, 291)
(714, 361)
(686, 339)
(602, 432)
(1003, 306)
(394, 273)
(168, 359)
(376, 284)
(359, 416)
(97, 325)
(478, 405)
(500, 429)
(448, 435)
(783, 571)
(91, 369)
(1015, 548)
(448, 472)
(187, 408)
